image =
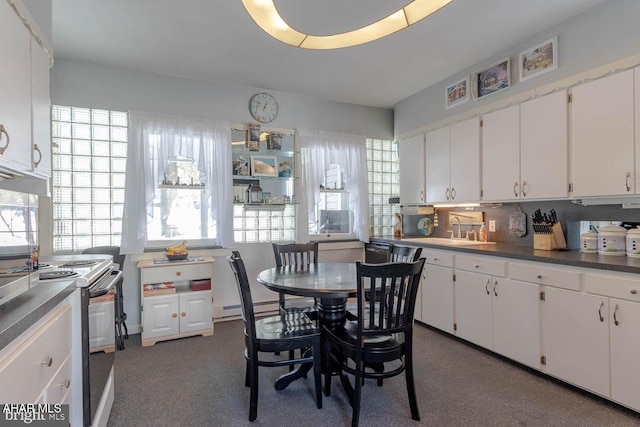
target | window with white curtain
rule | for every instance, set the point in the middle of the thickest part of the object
(179, 184)
(89, 150)
(334, 186)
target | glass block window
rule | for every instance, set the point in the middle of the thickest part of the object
(89, 150)
(383, 167)
(260, 225)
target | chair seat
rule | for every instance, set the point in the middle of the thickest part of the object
(300, 305)
(285, 327)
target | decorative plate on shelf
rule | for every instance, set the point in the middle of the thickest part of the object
(425, 226)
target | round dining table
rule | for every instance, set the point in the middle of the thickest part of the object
(330, 283)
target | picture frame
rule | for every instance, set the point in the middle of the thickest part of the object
(264, 165)
(492, 79)
(538, 59)
(457, 93)
(253, 137)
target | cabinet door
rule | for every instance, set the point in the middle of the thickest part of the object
(575, 338)
(437, 166)
(15, 87)
(160, 316)
(501, 154)
(411, 173)
(516, 321)
(602, 142)
(544, 147)
(437, 297)
(625, 352)
(41, 108)
(474, 318)
(196, 311)
(465, 161)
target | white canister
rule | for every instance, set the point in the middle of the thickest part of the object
(612, 240)
(633, 242)
(589, 242)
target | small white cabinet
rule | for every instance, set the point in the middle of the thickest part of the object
(186, 312)
(603, 140)
(518, 143)
(437, 308)
(452, 162)
(411, 173)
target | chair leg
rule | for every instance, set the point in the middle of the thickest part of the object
(411, 389)
(291, 357)
(317, 373)
(247, 372)
(355, 399)
(328, 368)
(253, 381)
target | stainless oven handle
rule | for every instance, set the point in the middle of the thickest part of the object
(112, 279)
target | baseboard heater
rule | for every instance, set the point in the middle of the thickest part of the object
(234, 312)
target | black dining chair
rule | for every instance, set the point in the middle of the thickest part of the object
(300, 255)
(365, 346)
(271, 335)
(399, 253)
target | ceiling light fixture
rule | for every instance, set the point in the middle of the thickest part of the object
(266, 15)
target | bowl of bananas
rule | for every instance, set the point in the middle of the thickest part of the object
(177, 252)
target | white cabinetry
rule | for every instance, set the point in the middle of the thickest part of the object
(437, 308)
(602, 142)
(518, 143)
(15, 87)
(41, 110)
(452, 162)
(102, 326)
(411, 173)
(184, 313)
(39, 369)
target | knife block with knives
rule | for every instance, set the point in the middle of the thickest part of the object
(548, 235)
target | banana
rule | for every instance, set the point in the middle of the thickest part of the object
(176, 249)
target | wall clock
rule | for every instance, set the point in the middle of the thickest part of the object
(263, 107)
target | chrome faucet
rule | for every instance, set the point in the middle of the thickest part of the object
(455, 218)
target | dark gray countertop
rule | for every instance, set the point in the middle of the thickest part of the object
(19, 313)
(573, 258)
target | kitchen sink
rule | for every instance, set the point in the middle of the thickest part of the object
(444, 241)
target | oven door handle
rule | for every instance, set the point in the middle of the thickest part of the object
(112, 279)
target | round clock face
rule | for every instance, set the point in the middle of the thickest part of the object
(263, 107)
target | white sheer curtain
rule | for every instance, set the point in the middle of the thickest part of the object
(153, 138)
(319, 149)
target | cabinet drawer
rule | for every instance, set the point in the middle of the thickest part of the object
(542, 275)
(484, 265)
(28, 370)
(436, 257)
(60, 384)
(173, 273)
(617, 286)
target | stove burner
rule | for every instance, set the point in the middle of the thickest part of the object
(57, 274)
(81, 263)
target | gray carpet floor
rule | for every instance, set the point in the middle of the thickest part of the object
(199, 381)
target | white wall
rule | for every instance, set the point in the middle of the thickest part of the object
(83, 84)
(603, 34)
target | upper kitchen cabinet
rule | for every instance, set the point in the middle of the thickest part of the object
(41, 110)
(15, 90)
(452, 161)
(602, 142)
(411, 173)
(525, 150)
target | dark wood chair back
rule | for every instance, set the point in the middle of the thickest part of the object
(299, 254)
(244, 290)
(403, 253)
(114, 251)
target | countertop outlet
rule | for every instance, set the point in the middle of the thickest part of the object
(492, 225)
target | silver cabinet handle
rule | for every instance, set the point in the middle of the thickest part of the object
(495, 288)
(515, 192)
(626, 181)
(524, 186)
(66, 383)
(453, 193)
(600, 311)
(615, 318)
(4, 147)
(634, 291)
(486, 287)
(446, 194)
(422, 195)
(37, 150)
(48, 361)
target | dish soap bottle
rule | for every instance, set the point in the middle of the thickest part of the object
(483, 233)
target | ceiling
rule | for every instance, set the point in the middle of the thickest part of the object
(217, 41)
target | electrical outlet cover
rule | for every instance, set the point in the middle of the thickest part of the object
(492, 225)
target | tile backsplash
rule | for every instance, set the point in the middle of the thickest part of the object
(18, 223)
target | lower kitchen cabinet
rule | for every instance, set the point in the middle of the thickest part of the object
(185, 312)
(575, 338)
(474, 313)
(436, 300)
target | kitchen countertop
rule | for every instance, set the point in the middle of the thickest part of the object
(572, 257)
(22, 311)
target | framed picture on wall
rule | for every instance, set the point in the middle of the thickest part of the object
(492, 79)
(457, 93)
(264, 166)
(539, 59)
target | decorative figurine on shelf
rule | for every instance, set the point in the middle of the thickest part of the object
(284, 169)
(241, 166)
(254, 194)
(274, 141)
(253, 137)
(397, 227)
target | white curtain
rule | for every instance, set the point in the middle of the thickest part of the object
(153, 139)
(318, 150)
